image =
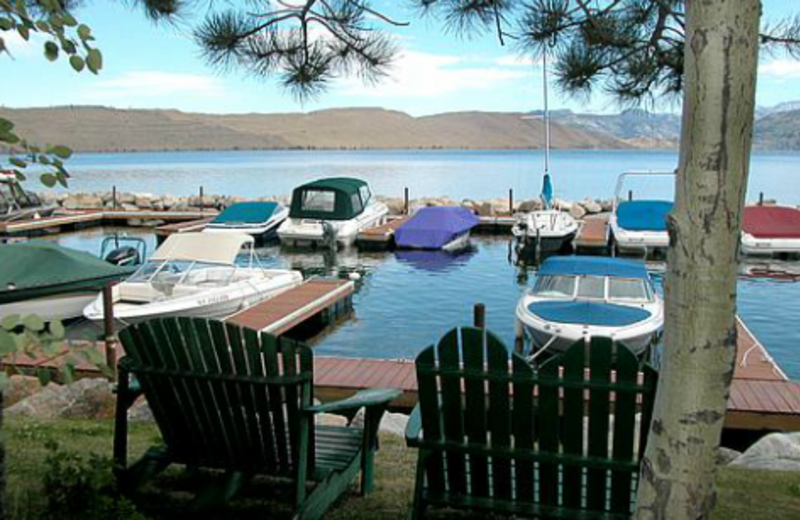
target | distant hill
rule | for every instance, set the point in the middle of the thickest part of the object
(101, 129)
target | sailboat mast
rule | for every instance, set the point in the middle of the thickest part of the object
(546, 116)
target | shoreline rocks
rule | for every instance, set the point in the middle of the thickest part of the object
(78, 201)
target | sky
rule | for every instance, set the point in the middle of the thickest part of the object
(150, 65)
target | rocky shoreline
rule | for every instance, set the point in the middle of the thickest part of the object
(150, 202)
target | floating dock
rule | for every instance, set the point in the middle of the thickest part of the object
(289, 309)
(162, 232)
(380, 237)
(82, 219)
(593, 233)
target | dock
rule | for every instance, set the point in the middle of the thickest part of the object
(380, 237)
(190, 226)
(71, 220)
(593, 234)
(289, 309)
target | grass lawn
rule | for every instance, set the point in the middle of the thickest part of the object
(743, 494)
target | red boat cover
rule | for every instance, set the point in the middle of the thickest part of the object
(771, 222)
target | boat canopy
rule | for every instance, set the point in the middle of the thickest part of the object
(335, 198)
(434, 227)
(591, 265)
(203, 247)
(246, 213)
(588, 313)
(32, 267)
(643, 215)
(771, 222)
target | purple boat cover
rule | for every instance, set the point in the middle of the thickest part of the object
(432, 228)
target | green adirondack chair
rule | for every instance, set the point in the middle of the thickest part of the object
(233, 399)
(494, 434)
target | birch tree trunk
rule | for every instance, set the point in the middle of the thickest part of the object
(721, 55)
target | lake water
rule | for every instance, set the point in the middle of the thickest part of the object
(458, 174)
(406, 301)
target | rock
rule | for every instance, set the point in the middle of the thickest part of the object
(84, 399)
(592, 207)
(776, 451)
(563, 205)
(140, 412)
(529, 205)
(577, 211)
(726, 455)
(83, 201)
(19, 388)
(392, 423)
(396, 206)
(606, 205)
(143, 201)
(125, 198)
(485, 210)
(128, 207)
(470, 205)
(329, 419)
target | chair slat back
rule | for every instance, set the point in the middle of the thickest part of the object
(222, 396)
(563, 435)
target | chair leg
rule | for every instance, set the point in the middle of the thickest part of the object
(418, 506)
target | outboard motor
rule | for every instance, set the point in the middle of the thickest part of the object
(124, 256)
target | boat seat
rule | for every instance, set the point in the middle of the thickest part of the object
(139, 293)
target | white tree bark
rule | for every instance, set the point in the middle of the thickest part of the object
(721, 56)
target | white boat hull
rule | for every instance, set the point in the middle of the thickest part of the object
(218, 302)
(753, 246)
(261, 230)
(628, 240)
(51, 308)
(550, 230)
(310, 232)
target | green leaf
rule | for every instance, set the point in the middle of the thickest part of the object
(68, 46)
(33, 322)
(68, 373)
(4, 381)
(84, 32)
(49, 180)
(42, 26)
(16, 161)
(94, 60)
(44, 375)
(7, 344)
(60, 151)
(24, 32)
(6, 125)
(51, 51)
(6, 24)
(10, 322)
(57, 330)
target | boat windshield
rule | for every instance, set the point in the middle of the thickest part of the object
(556, 286)
(592, 287)
(319, 200)
(628, 289)
(184, 272)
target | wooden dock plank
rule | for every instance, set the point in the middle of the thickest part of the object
(288, 309)
(71, 218)
(182, 227)
(384, 232)
(594, 232)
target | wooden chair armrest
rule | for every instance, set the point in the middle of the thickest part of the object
(414, 428)
(363, 399)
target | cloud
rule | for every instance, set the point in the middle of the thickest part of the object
(515, 60)
(18, 47)
(781, 69)
(420, 74)
(136, 85)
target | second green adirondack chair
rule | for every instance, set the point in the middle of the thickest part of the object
(236, 400)
(559, 442)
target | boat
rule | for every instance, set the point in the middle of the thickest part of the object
(548, 230)
(51, 281)
(17, 204)
(331, 212)
(196, 274)
(579, 297)
(257, 219)
(438, 227)
(770, 230)
(438, 261)
(638, 225)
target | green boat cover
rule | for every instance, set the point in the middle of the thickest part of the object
(246, 213)
(36, 269)
(335, 198)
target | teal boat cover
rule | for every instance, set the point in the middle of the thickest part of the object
(39, 268)
(334, 198)
(643, 215)
(246, 213)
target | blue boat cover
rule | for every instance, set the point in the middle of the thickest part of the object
(433, 261)
(643, 215)
(593, 265)
(547, 191)
(246, 213)
(432, 228)
(588, 313)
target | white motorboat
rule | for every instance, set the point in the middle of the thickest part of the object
(548, 230)
(639, 225)
(331, 211)
(770, 231)
(196, 274)
(579, 297)
(257, 219)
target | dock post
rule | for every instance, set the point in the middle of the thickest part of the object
(761, 198)
(405, 200)
(109, 332)
(511, 201)
(479, 316)
(201, 200)
(630, 195)
(114, 197)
